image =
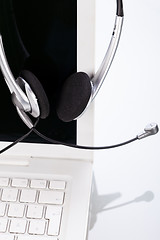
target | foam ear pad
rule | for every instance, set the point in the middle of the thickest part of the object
(74, 96)
(38, 90)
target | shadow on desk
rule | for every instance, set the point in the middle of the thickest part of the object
(99, 202)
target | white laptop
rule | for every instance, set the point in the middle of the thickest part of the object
(44, 188)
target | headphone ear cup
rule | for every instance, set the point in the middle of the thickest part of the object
(38, 90)
(74, 97)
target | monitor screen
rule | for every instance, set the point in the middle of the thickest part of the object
(40, 36)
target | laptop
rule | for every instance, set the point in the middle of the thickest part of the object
(44, 188)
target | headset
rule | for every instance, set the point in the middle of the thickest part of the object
(78, 91)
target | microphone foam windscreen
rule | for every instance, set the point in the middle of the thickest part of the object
(74, 96)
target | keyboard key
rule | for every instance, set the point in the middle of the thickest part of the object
(18, 226)
(9, 195)
(2, 209)
(16, 210)
(51, 197)
(35, 211)
(38, 184)
(19, 182)
(4, 182)
(52, 211)
(4, 236)
(53, 227)
(37, 227)
(3, 225)
(28, 196)
(58, 185)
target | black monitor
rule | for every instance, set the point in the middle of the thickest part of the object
(40, 36)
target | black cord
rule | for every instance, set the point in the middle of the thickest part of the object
(20, 139)
(33, 129)
(82, 147)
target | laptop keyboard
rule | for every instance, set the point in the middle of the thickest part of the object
(31, 208)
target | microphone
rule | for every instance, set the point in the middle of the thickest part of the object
(149, 130)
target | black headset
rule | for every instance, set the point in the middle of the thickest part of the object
(77, 92)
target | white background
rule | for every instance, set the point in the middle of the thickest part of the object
(126, 199)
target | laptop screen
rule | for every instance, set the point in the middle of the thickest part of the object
(40, 36)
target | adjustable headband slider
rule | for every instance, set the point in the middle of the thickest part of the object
(120, 12)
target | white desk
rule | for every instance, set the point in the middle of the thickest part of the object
(126, 203)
